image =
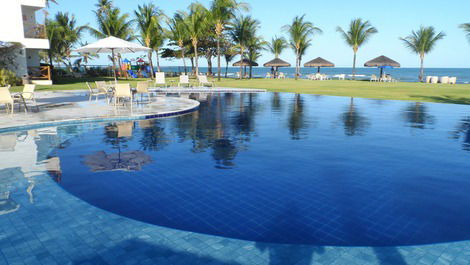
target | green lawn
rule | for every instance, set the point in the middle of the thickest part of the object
(458, 94)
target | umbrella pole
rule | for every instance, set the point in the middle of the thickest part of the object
(318, 71)
(381, 72)
(114, 65)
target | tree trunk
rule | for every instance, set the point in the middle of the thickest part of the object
(226, 68)
(218, 59)
(192, 64)
(184, 61)
(421, 70)
(209, 62)
(241, 64)
(251, 71)
(296, 65)
(151, 64)
(196, 58)
(158, 60)
(354, 67)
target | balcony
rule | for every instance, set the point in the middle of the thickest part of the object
(40, 73)
(34, 3)
(35, 31)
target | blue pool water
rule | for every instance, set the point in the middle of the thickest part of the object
(284, 168)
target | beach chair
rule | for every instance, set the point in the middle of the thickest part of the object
(160, 79)
(27, 95)
(373, 78)
(95, 92)
(281, 76)
(444, 80)
(428, 79)
(7, 99)
(121, 93)
(184, 81)
(143, 88)
(434, 80)
(341, 77)
(268, 75)
(453, 80)
(203, 81)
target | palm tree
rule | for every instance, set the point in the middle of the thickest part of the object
(466, 28)
(196, 25)
(178, 33)
(112, 23)
(85, 57)
(277, 45)
(359, 32)
(104, 5)
(254, 46)
(300, 33)
(54, 32)
(422, 42)
(69, 34)
(243, 29)
(222, 11)
(229, 54)
(148, 23)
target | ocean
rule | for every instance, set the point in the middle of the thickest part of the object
(401, 74)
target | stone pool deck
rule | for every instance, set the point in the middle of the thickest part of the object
(75, 106)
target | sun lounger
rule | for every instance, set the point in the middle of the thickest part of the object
(204, 82)
(281, 76)
(428, 79)
(453, 80)
(373, 78)
(434, 80)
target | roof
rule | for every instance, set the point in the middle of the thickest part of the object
(276, 62)
(382, 61)
(246, 62)
(319, 62)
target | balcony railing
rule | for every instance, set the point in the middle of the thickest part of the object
(39, 73)
(35, 31)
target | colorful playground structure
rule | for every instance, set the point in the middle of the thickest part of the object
(140, 69)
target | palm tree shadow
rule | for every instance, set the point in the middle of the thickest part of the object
(389, 256)
(134, 250)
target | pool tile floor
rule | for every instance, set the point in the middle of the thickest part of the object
(53, 227)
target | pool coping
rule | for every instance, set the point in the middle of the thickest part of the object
(144, 116)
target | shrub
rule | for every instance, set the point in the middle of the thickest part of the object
(8, 77)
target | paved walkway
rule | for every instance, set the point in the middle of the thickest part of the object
(75, 106)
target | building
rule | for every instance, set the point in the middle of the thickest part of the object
(19, 24)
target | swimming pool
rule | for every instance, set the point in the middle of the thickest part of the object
(283, 168)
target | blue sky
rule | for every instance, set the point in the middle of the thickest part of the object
(393, 19)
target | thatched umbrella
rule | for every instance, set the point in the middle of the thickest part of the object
(245, 62)
(319, 62)
(276, 63)
(382, 62)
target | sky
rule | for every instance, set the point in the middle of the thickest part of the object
(393, 19)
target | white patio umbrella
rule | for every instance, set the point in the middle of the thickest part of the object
(112, 45)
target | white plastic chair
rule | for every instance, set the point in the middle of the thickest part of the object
(143, 88)
(122, 92)
(160, 79)
(184, 80)
(434, 80)
(453, 80)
